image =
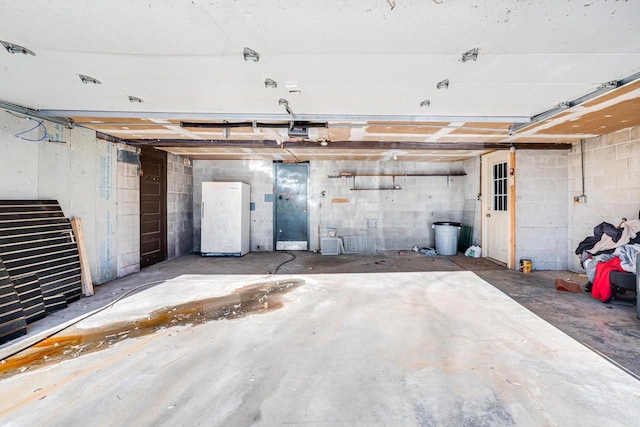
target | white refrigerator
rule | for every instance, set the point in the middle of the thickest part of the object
(225, 219)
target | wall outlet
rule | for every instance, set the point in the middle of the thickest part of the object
(580, 199)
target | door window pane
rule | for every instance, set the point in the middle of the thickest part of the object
(500, 187)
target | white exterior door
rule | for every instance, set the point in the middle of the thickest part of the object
(495, 205)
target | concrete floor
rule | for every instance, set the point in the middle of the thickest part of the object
(425, 342)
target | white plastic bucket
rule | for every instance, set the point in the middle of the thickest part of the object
(446, 237)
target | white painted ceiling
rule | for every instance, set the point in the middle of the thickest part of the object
(362, 66)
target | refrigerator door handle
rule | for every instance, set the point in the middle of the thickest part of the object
(202, 217)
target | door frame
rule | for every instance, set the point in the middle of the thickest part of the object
(275, 204)
(487, 200)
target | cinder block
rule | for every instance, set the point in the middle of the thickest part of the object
(595, 169)
(614, 167)
(545, 184)
(526, 201)
(525, 181)
(556, 173)
(634, 164)
(562, 160)
(559, 197)
(594, 143)
(127, 222)
(623, 151)
(601, 154)
(544, 160)
(619, 196)
(531, 220)
(574, 160)
(628, 180)
(525, 235)
(129, 247)
(618, 137)
(128, 209)
(128, 182)
(129, 195)
(574, 172)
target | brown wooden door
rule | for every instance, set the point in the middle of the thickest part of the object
(153, 206)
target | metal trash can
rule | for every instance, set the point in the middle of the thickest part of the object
(447, 233)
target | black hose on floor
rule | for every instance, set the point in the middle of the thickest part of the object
(283, 263)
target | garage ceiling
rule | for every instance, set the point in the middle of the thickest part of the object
(358, 79)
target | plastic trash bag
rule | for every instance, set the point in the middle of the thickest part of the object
(473, 252)
(428, 251)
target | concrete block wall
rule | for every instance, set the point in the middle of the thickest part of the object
(611, 184)
(397, 219)
(179, 206)
(259, 175)
(128, 212)
(542, 208)
(19, 159)
(82, 173)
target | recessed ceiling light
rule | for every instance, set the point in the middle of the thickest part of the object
(425, 103)
(292, 87)
(470, 55)
(250, 55)
(134, 99)
(15, 49)
(443, 84)
(270, 83)
(88, 79)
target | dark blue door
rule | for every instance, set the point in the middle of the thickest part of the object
(291, 217)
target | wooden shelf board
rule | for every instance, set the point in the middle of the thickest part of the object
(402, 174)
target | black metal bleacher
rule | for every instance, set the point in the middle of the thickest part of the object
(37, 238)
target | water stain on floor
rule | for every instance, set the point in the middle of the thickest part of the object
(252, 299)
